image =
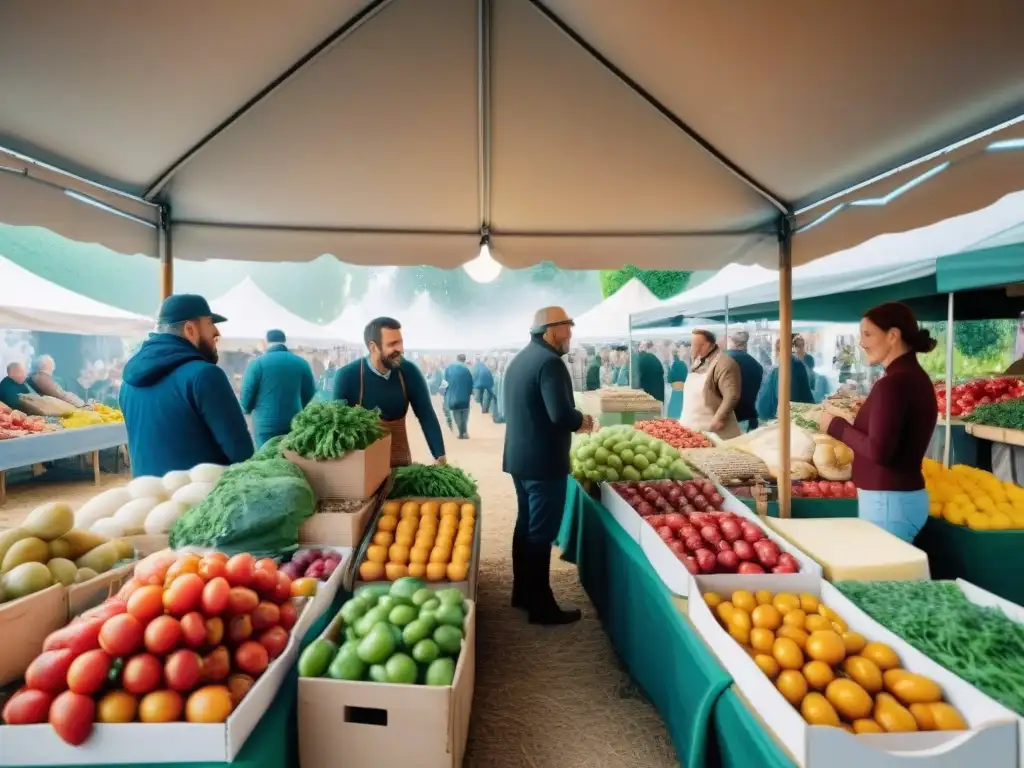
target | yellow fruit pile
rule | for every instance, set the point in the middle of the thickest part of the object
(963, 495)
(831, 675)
(108, 414)
(431, 540)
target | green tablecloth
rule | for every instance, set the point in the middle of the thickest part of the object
(807, 508)
(708, 723)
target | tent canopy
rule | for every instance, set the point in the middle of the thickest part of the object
(728, 280)
(30, 303)
(251, 313)
(917, 267)
(586, 132)
(610, 319)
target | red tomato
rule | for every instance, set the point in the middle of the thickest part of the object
(184, 564)
(142, 674)
(212, 567)
(266, 615)
(242, 600)
(78, 637)
(215, 596)
(214, 631)
(289, 614)
(121, 635)
(88, 672)
(239, 629)
(162, 635)
(217, 665)
(193, 629)
(240, 569)
(274, 640)
(266, 564)
(49, 671)
(27, 707)
(146, 603)
(71, 716)
(284, 588)
(252, 658)
(104, 611)
(183, 594)
(182, 670)
(161, 707)
(264, 582)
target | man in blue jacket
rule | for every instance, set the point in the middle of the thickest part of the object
(179, 408)
(483, 384)
(276, 387)
(458, 393)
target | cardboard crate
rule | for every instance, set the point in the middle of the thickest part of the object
(357, 475)
(89, 594)
(369, 725)
(337, 529)
(147, 543)
(24, 624)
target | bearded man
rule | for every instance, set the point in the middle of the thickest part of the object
(179, 407)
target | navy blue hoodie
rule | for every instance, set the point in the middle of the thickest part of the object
(179, 409)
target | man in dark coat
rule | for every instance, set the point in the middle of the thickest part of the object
(751, 376)
(458, 394)
(540, 420)
(179, 407)
(277, 385)
(649, 373)
(483, 384)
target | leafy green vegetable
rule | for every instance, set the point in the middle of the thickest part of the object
(1008, 414)
(324, 431)
(257, 507)
(270, 449)
(434, 481)
(981, 645)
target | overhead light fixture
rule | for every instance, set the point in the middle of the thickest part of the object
(483, 269)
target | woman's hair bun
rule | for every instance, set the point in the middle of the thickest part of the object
(922, 341)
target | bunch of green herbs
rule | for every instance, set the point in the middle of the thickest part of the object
(433, 481)
(328, 430)
(1008, 414)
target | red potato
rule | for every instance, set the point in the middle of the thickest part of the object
(675, 521)
(731, 530)
(645, 509)
(728, 560)
(687, 530)
(752, 534)
(723, 546)
(691, 565)
(746, 567)
(784, 568)
(677, 546)
(706, 560)
(785, 558)
(656, 521)
(666, 533)
(710, 534)
(744, 550)
(694, 542)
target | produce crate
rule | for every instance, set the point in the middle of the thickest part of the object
(810, 508)
(326, 591)
(357, 475)
(620, 510)
(467, 587)
(996, 434)
(89, 594)
(990, 742)
(337, 528)
(146, 743)
(387, 724)
(148, 543)
(24, 624)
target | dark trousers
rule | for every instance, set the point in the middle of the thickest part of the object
(541, 504)
(486, 398)
(461, 418)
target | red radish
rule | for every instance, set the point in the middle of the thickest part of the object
(744, 550)
(784, 568)
(666, 533)
(728, 560)
(691, 565)
(723, 546)
(731, 530)
(752, 534)
(706, 560)
(675, 521)
(710, 534)
(693, 543)
(656, 520)
(749, 568)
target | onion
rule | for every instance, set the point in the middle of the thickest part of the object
(708, 488)
(716, 499)
(700, 502)
(690, 491)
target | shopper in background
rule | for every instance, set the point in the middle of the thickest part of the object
(541, 418)
(483, 384)
(649, 373)
(458, 394)
(276, 386)
(179, 407)
(712, 389)
(751, 376)
(676, 378)
(595, 363)
(43, 382)
(13, 386)
(890, 435)
(799, 387)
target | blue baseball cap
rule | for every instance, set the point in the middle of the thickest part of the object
(182, 307)
(275, 337)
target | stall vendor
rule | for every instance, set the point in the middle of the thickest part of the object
(43, 382)
(712, 389)
(384, 379)
(13, 386)
(277, 385)
(179, 407)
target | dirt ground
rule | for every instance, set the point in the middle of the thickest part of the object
(545, 697)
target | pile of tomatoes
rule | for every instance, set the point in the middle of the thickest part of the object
(824, 489)
(967, 397)
(674, 433)
(185, 639)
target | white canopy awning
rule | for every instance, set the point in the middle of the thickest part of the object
(31, 303)
(610, 319)
(668, 134)
(730, 279)
(251, 313)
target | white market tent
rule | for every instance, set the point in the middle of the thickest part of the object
(251, 313)
(610, 319)
(30, 303)
(729, 280)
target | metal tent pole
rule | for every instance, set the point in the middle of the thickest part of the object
(725, 339)
(629, 348)
(166, 253)
(785, 361)
(947, 447)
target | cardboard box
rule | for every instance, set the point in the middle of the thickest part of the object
(24, 624)
(142, 743)
(89, 594)
(338, 529)
(357, 475)
(148, 543)
(326, 591)
(369, 725)
(990, 742)
(624, 515)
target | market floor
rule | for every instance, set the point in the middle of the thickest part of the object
(545, 697)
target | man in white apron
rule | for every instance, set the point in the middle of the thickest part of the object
(712, 389)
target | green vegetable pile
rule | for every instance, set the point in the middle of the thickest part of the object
(324, 431)
(270, 449)
(434, 481)
(256, 506)
(979, 644)
(1008, 414)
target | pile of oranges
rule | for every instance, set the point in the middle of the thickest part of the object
(429, 539)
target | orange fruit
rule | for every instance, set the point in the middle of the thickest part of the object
(418, 570)
(392, 508)
(116, 707)
(467, 524)
(457, 571)
(419, 555)
(450, 508)
(375, 553)
(410, 508)
(440, 555)
(464, 537)
(404, 538)
(430, 509)
(408, 525)
(387, 523)
(467, 510)
(398, 553)
(436, 571)
(384, 538)
(395, 571)
(461, 554)
(210, 704)
(371, 571)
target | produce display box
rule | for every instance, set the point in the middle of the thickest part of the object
(996, 434)
(340, 529)
(974, 594)
(354, 476)
(810, 508)
(387, 724)
(326, 591)
(89, 594)
(146, 743)
(148, 543)
(990, 742)
(24, 624)
(627, 517)
(674, 574)
(467, 587)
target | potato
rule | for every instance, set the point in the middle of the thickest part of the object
(63, 571)
(30, 550)
(101, 559)
(75, 543)
(50, 521)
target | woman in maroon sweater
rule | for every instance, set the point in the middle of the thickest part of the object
(891, 433)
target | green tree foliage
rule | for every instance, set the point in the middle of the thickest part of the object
(980, 348)
(984, 337)
(663, 283)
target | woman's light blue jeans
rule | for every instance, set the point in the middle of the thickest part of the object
(901, 513)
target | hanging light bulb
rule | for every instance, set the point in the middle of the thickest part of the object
(483, 269)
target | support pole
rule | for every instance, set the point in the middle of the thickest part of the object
(725, 338)
(629, 349)
(785, 362)
(947, 448)
(166, 253)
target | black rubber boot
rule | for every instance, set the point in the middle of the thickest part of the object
(543, 607)
(518, 577)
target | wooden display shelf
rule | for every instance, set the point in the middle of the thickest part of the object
(996, 434)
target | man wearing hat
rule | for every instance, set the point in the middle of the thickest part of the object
(277, 385)
(540, 420)
(179, 408)
(751, 376)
